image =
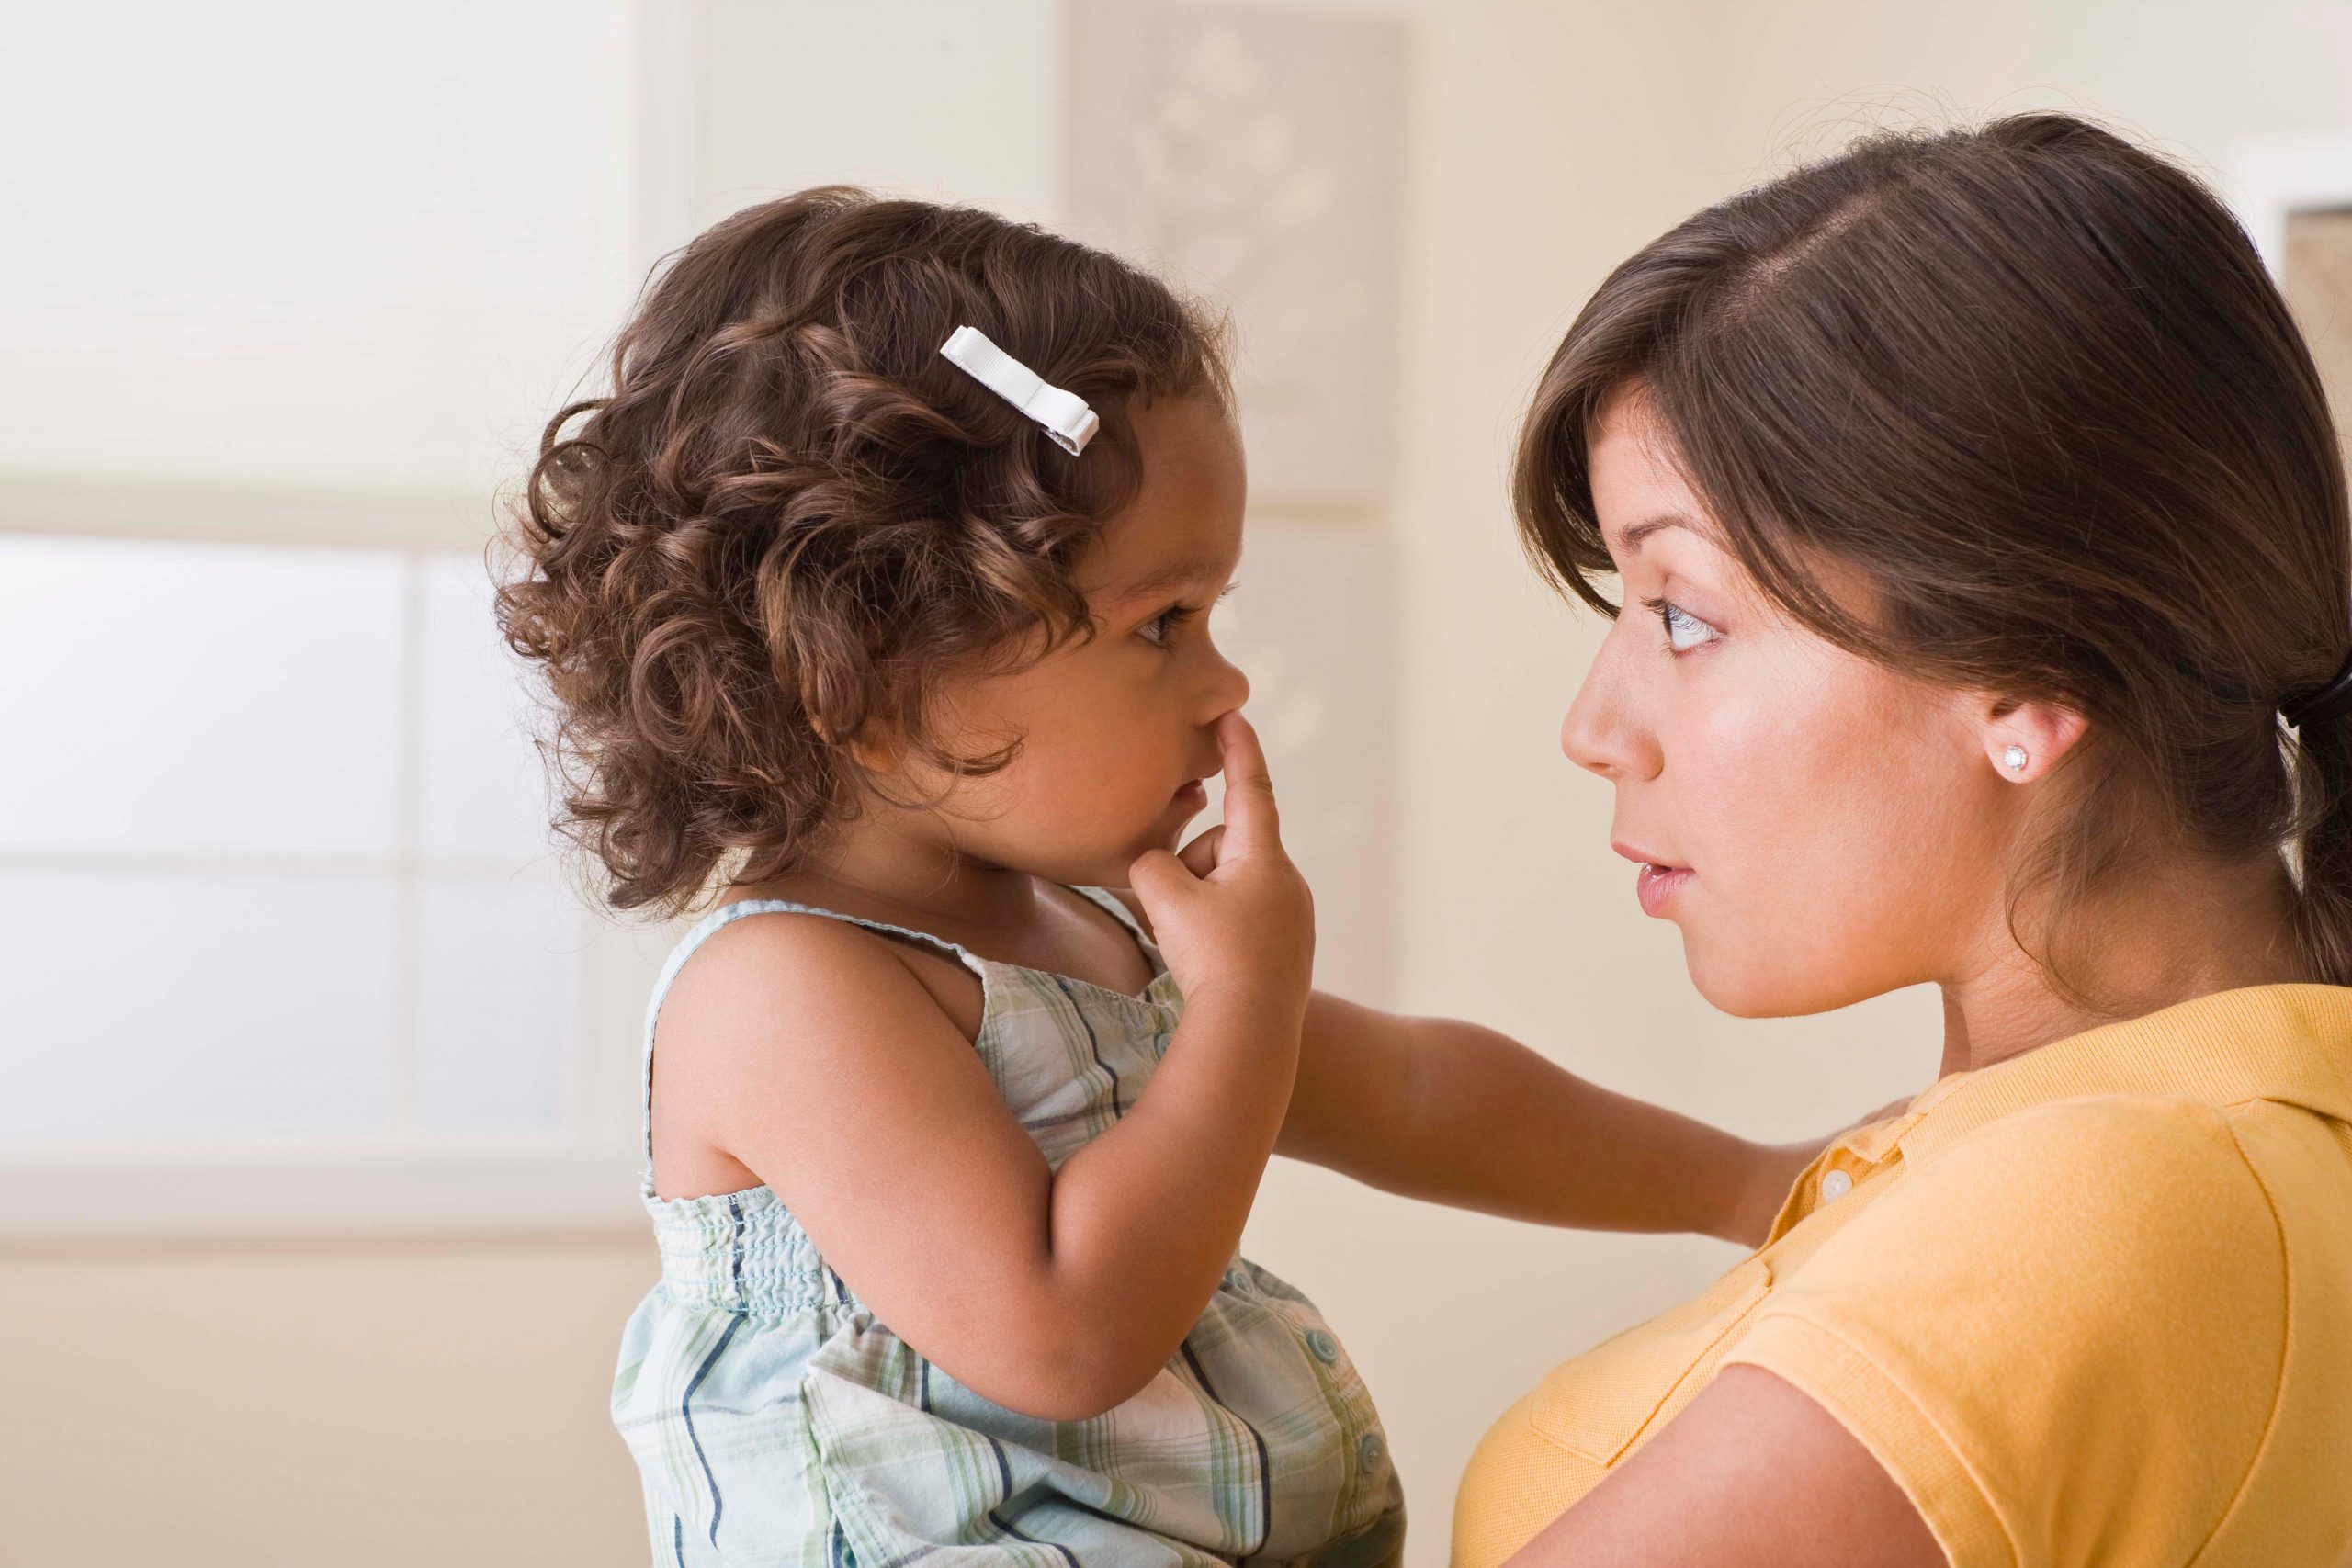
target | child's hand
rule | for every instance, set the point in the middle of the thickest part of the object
(1772, 1169)
(1232, 914)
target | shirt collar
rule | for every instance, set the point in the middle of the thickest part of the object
(2291, 1043)
(2288, 1044)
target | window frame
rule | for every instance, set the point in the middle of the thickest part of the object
(582, 1177)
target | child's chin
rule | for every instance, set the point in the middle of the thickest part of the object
(1116, 871)
(1184, 832)
(1172, 833)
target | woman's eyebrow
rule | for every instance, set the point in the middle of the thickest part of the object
(1631, 538)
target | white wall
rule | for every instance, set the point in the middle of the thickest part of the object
(941, 99)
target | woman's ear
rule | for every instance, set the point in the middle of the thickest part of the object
(2025, 741)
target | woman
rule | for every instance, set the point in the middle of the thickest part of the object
(1980, 518)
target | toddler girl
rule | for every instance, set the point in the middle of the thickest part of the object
(874, 597)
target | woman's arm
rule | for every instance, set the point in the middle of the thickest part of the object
(1754, 1474)
(1457, 1114)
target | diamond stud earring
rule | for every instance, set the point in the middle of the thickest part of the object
(2014, 758)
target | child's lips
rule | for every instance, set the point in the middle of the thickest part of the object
(1193, 793)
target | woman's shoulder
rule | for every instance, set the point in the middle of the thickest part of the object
(2165, 1167)
(2112, 1214)
(2073, 1310)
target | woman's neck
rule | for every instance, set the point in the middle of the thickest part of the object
(2163, 940)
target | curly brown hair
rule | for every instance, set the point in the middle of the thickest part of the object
(791, 519)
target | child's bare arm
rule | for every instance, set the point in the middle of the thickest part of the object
(1454, 1113)
(1055, 1293)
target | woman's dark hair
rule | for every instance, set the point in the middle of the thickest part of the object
(790, 517)
(2031, 384)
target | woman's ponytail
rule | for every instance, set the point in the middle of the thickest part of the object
(2323, 840)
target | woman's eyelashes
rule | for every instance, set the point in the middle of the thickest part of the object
(1684, 631)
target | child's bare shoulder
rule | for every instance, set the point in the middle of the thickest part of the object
(787, 973)
(791, 1023)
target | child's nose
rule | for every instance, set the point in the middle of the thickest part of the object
(1229, 689)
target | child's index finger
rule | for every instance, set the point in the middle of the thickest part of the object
(1250, 819)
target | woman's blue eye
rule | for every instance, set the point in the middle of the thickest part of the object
(1681, 624)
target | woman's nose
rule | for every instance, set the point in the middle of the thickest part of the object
(1601, 731)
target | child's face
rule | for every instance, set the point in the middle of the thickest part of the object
(1116, 731)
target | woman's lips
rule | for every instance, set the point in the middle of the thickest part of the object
(1654, 885)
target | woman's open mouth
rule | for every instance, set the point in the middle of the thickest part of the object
(1654, 885)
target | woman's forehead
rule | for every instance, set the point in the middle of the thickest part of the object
(1639, 485)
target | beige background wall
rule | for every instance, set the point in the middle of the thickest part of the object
(430, 1400)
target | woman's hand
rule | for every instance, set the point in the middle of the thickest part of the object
(1232, 913)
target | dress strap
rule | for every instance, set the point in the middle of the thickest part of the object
(726, 915)
(1126, 917)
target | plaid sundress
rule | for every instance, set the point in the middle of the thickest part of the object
(777, 1422)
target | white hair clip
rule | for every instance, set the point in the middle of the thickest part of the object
(1065, 415)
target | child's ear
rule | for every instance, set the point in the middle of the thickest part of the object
(875, 746)
(872, 747)
(876, 756)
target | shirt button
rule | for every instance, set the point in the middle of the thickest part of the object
(1325, 1349)
(1370, 1449)
(1835, 1185)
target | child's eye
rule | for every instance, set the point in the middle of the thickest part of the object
(1159, 630)
(1681, 624)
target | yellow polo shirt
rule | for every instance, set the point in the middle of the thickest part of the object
(2092, 1305)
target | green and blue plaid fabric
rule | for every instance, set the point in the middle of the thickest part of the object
(777, 1423)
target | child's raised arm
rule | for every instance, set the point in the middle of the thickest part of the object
(1454, 1113)
(1054, 1293)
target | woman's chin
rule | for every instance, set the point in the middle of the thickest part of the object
(1737, 1003)
(1760, 985)
(1732, 983)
